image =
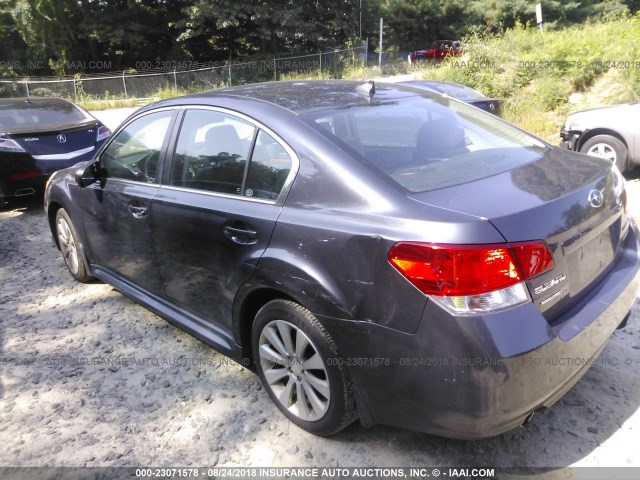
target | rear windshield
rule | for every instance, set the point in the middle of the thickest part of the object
(426, 142)
(36, 113)
(461, 92)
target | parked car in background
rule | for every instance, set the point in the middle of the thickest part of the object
(460, 92)
(440, 49)
(371, 251)
(611, 132)
(39, 136)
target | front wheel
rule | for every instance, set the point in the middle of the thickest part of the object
(606, 146)
(297, 362)
(70, 247)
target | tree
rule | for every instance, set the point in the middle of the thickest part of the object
(269, 26)
(11, 45)
(129, 32)
(48, 30)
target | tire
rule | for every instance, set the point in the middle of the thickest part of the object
(71, 248)
(609, 147)
(291, 349)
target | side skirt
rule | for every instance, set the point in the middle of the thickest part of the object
(194, 325)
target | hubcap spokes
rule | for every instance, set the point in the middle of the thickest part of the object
(68, 246)
(603, 150)
(294, 370)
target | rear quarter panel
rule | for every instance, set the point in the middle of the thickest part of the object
(330, 244)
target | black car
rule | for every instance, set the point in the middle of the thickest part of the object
(372, 251)
(460, 92)
(39, 136)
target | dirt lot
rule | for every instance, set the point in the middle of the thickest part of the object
(166, 399)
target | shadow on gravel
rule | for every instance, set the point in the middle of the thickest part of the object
(633, 174)
(29, 204)
(11, 213)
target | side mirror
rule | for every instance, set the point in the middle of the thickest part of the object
(86, 175)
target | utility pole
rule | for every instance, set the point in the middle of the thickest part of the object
(360, 37)
(380, 47)
(539, 15)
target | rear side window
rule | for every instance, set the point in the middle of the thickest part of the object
(425, 142)
(212, 152)
(269, 168)
(220, 152)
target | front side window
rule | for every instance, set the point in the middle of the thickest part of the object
(134, 152)
(219, 152)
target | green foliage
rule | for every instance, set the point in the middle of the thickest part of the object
(241, 28)
(41, 37)
(505, 55)
(536, 73)
(93, 103)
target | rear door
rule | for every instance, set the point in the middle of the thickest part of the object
(117, 213)
(215, 213)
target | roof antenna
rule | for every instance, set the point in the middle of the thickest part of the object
(368, 88)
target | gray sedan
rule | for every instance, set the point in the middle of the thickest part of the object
(609, 132)
(378, 252)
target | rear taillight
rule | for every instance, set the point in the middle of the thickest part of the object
(8, 145)
(23, 176)
(467, 279)
(103, 132)
(533, 258)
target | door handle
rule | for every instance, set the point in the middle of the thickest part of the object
(138, 211)
(241, 236)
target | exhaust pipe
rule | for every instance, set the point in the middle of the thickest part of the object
(24, 191)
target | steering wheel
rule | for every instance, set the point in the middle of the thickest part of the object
(149, 165)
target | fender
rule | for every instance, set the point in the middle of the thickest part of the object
(279, 273)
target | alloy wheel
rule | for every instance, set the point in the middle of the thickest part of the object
(294, 370)
(68, 246)
(603, 150)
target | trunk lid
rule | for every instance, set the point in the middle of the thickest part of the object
(58, 139)
(553, 199)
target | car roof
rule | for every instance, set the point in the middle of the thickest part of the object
(305, 96)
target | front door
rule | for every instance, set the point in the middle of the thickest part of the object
(117, 213)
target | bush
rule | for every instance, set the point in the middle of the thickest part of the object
(535, 73)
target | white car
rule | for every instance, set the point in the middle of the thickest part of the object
(611, 132)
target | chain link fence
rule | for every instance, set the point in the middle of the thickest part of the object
(145, 82)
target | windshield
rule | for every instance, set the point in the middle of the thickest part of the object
(425, 143)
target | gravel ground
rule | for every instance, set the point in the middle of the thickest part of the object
(166, 399)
